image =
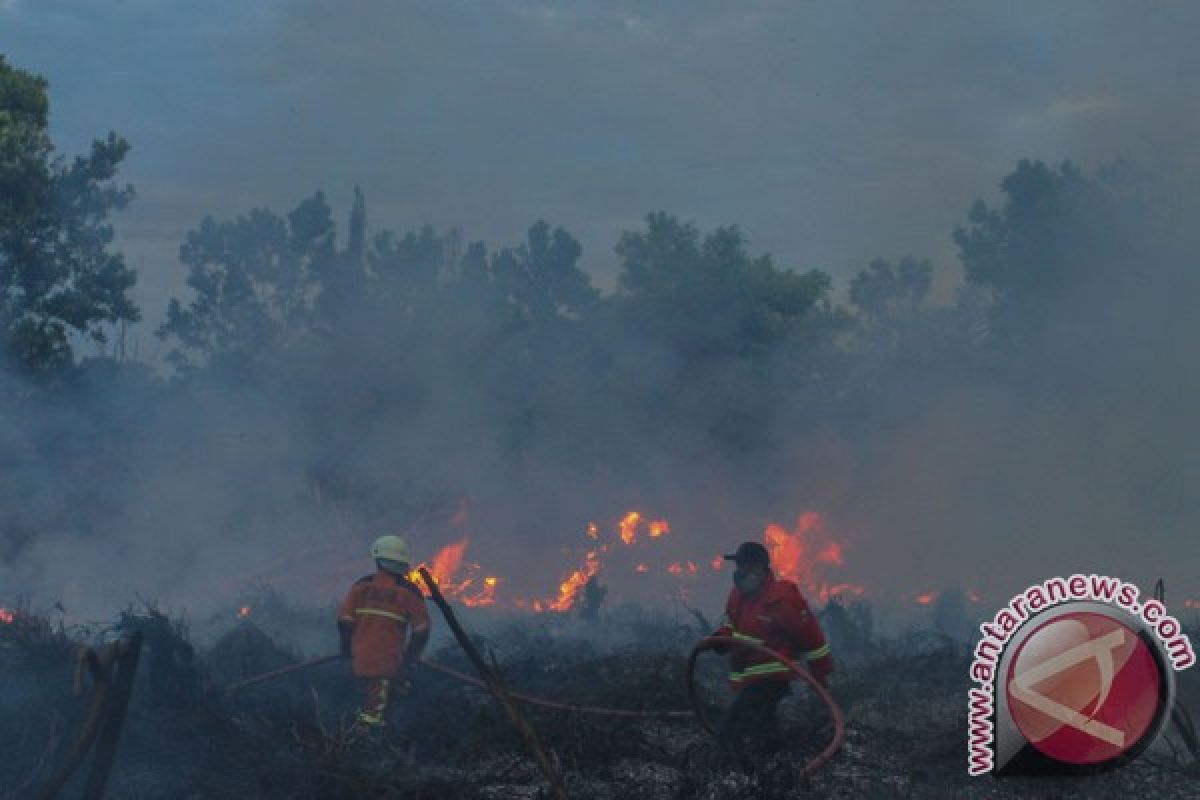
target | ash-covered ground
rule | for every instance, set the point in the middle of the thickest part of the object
(904, 698)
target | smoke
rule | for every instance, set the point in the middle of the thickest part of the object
(832, 136)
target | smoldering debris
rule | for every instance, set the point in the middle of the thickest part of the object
(906, 725)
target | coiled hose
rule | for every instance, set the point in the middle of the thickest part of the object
(835, 713)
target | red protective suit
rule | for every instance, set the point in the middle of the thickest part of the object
(776, 616)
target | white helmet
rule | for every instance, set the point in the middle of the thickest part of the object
(390, 548)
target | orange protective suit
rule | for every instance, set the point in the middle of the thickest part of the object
(379, 613)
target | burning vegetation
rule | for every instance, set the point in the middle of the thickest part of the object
(314, 383)
(293, 737)
(806, 553)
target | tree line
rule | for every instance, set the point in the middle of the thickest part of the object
(704, 350)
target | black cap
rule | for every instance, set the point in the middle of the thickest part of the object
(750, 553)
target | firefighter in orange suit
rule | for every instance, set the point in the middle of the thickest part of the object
(765, 610)
(379, 614)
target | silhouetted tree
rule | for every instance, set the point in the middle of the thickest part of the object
(254, 282)
(709, 297)
(542, 277)
(884, 290)
(57, 276)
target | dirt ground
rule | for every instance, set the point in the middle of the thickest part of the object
(904, 699)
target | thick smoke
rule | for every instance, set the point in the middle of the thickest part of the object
(1032, 416)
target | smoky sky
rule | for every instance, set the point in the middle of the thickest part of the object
(833, 133)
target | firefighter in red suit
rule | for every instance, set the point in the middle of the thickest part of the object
(766, 610)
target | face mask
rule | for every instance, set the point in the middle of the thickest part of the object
(394, 567)
(747, 583)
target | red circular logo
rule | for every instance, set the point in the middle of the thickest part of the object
(1084, 688)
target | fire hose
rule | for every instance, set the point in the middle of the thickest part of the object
(465, 678)
(835, 713)
(710, 643)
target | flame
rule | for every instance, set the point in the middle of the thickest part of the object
(570, 589)
(243, 612)
(795, 554)
(628, 526)
(7, 617)
(447, 561)
(484, 596)
(464, 583)
(803, 553)
(787, 552)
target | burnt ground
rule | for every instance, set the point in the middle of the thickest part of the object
(903, 696)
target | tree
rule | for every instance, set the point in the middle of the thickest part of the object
(1057, 233)
(735, 341)
(884, 290)
(255, 280)
(542, 277)
(58, 278)
(406, 270)
(709, 297)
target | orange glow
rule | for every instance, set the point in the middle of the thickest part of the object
(570, 589)
(628, 526)
(484, 596)
(831, 554)
(447, 561)
(458, 581)
(787, 552)
(839, 590)
(1191, 603)
(243, 612)
(7, 616)
(973, 596)
(800, 554)
(926, 598)
(805, 553)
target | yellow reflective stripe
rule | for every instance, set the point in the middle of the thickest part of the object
(379, 612)
(764, 669)
(820, 652)
(770, 668)
(747, 638)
